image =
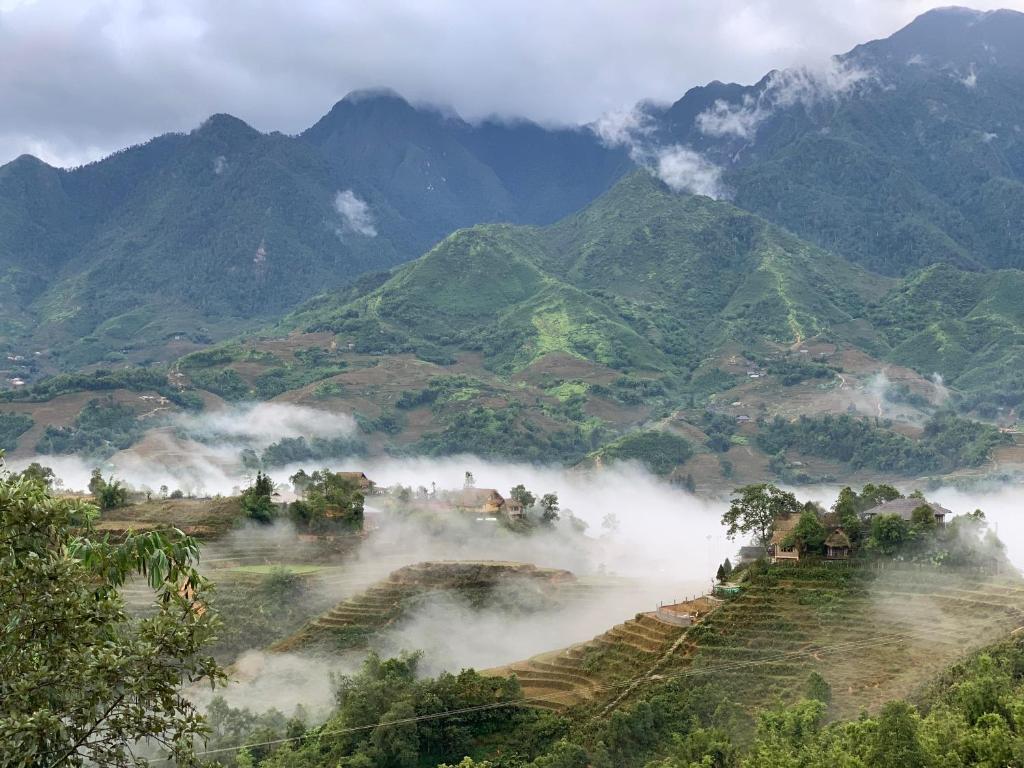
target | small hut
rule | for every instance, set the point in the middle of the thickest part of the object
(837, 545)
(778, 548)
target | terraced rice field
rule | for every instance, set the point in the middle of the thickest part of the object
(600, 668)
(350, 623)
(873, 637)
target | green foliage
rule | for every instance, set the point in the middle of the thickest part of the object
(809, 534)
(948, 442)
(12, 426)
(549, 508)
(134, 379)
(818, 689)
(659, 451)
(225, 382)
(329, 501)
(754, 510)
(383, 717)
(82, 681)
(257, 500)
(294, 450)
(719, 427)
(37, 473)
(505, 432)
(101, 428)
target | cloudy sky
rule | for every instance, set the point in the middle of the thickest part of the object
(79, 78)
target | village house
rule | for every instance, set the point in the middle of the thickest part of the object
(837, 545)
(361, 481)
(778, 551)
(486, 503)
(905, 509)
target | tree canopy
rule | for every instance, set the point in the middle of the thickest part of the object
(82, 683)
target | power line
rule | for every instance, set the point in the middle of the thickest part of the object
(850, 645)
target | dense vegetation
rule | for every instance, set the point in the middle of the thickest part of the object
(660, 452)
(134, 379)
(948, 442)
(231, 224)
(12, 426)
(82, 681)
(100, 428)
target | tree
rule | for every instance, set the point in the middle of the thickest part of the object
(549, 507)
(95, 481)
(523, 496)
(329, 498)
(818, 689)
(895, 743)
(36, 472)
(809, 534)
(257, 500)
(922, 521)
(755, 510)
(109, 493)
(888, 534)
(82, 682)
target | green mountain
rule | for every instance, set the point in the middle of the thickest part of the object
(643, 279)
(907, 152)
(966, 326)
(191, 235)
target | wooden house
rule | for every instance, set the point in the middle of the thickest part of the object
(837, 545)
(485, 502)
(361, 481)
(778, 549)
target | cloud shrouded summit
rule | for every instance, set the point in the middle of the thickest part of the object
(80, 79)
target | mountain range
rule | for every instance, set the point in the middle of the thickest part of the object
(874, 204)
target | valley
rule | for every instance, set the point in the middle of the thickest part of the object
(686, 437)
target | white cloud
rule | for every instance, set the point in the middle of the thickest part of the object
(220, 164)
(799, 85)
(622, 127)
(355, 213)
(970, 80)
(687, 171)
(79, 78)
(725, 119)
(263, 423)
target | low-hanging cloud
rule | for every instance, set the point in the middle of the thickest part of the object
(355, 213)
(264, 423)
(687, 171)
(807, 86)
(682, 168)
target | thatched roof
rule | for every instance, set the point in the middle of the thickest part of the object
(359, 478)
(472, 498)
(783, 527)
(838, 539)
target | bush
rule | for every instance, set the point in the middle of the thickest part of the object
(13, 426)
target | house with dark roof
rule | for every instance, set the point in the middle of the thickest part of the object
(904, 508)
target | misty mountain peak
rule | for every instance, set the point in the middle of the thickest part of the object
(225, 127)
(952, 37)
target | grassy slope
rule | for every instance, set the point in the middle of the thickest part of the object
(643, 278)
